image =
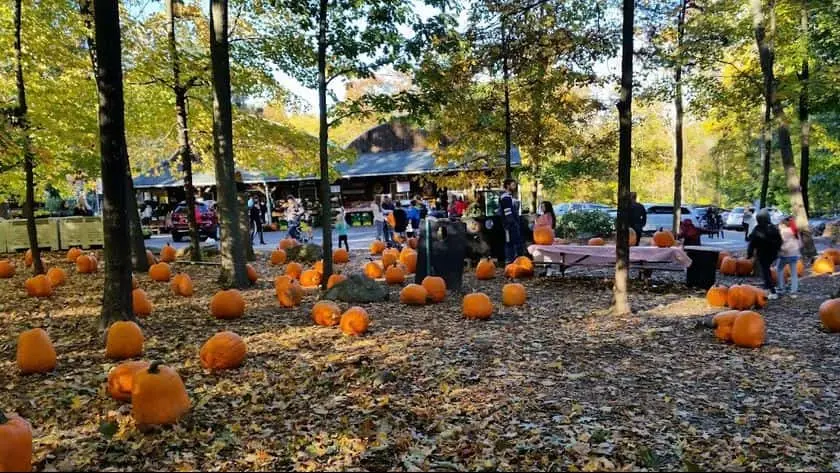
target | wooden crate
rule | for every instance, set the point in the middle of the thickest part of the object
(18, 239)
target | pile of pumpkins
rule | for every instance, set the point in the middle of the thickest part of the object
(42, 285)
(825, 264)
(739, 297)
(740, 326)
(394, 264)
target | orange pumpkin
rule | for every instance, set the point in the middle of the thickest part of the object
(716, 296)
(748, 330)
(833, 254)
(223, 351)
(729, 266)
(227, 304)
(514, 294)
(326, 313)
(355, 321)
(167, 254)
(140, 303)
(741, 297)
(830, 315)
(15, 443)
(390, 257)
(377, 247)
(374, 270)
(596, 242)
(760, 297)
(150, 258)
(485, 270)
(632, 239)
(543, 235)
(278, 257)
(341, 256)
(121, 377)
(743, 267)
(39, 286)
(800, 269)
(394, 275)
(526, 264)
(252, 273)
(72, 254)
(35, 352)
(294, 270)
(723, 324)
(86, 264)
(408, 257)
(436, 287)
(158, 396)
(160, 272)
(7, 269)
(57, 276)
(823, 265)
(182, 285)
(310, 278)
(721, 256)
(319, 266)
(664, 239)
(414, 294)
(335, 279)
(288, 291)
(477, 306)
(124, 339)
(27, 258)
(287, 243)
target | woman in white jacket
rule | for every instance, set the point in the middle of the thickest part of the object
(788, 255)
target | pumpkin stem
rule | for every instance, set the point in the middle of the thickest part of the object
(3, 418)
(153, 368)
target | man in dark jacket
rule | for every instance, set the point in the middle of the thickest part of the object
(509, 211)
(638, 217)
(765, 242)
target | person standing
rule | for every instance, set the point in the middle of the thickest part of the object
(400, 221)
(255, 216)
(378, 218)
(788, 255)
(765, 243)
(509, 211)
(266, 215)
(413, 214)
(547, 217)
(638, 217)
(388, 215)
(341, 228)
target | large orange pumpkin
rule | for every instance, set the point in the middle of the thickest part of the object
(823, 265)
(355, 321)
(716, 296)
(390, 257)
(760, 297)
(57, 276)
(394, 275)
(830, 315)
(167, 254)
(310, 278)
(294, 270)
(723, 324)
(72, 254)
(86, 264)
(514, 294)
(319, 266)
(414, 294)
(596, 242)
(335, 279)
(35, 352)
(39, 286)
(160, 272)
(408, 257)
(288, 291)
(477, 306)
(341, 256)
(729, 266)
(287, 243)
(374, 270)
(140, 303)
(278, 257)
(664, 239)
(833, 254)
(227, 304)
(543, 235)
(7, 269)
(486, 269)
(253, 276)
(527, 266)
(436, 287)
(721, 256)
(741, 297)
(158, 396)
(743, 267)
(748, 330)
(121, 377)
(223, 351)
(326, 313)
(124, 340)
(377, 247)
(182, 285)
(15, 443)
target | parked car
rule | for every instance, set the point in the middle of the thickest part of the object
(735, 219)
(178, 224)
(564, 208)
(662, 216)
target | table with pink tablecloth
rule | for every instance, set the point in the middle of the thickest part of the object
(581, 255)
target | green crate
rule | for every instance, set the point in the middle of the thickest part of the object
(17, 237)
(4, 230)
(71, 232)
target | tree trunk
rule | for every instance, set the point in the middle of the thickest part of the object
(678, 126)
(766, 55)
(233, 273)
(184, 148)
(506, 78)
(21, 121)
(326, 207)
(804, 118)
(621, 303)
(116, 300)
(766, 148)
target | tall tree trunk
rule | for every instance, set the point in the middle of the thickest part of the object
(678, 126)
(766, 148)
(184, 148)
(506, 78)
(116, 300)
(762, 23)
(804, 118)
(138, 242)
(621, 303)
(323, 130)
(21, 121)
(233, 271)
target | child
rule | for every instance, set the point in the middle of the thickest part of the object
(765, 242)
(788, 255)
(341, 228)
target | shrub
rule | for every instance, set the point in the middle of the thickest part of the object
(585, 224)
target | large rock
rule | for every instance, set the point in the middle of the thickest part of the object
(307, 253)
(357, 289)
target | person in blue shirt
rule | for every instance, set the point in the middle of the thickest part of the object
(413, 214)
(509, 211)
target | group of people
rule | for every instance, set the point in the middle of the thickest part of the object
(780, 244)
(390, 218)
(257, 213)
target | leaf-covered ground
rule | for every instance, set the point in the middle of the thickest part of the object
(550, 386)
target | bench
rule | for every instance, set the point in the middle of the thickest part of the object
(645, 259)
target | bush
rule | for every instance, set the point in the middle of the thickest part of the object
(586, 224)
